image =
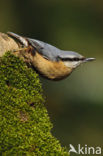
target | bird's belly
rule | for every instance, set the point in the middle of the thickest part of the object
(49, 69)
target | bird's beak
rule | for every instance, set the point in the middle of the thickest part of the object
(88, 59)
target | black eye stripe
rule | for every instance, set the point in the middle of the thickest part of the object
(76, 59)
(72, 59)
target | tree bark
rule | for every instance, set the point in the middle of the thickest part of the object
(7, 44)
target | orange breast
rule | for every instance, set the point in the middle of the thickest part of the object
(50, 69)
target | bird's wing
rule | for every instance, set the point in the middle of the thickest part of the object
(46, 50)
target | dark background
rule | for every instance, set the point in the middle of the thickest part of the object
(75, 104)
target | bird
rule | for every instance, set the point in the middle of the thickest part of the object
(49, 61)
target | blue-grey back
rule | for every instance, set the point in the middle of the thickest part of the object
(51, 52)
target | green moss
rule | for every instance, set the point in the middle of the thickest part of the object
(24, 123)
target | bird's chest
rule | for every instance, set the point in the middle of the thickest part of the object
(50, 69)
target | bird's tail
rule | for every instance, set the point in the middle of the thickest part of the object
(21, 39)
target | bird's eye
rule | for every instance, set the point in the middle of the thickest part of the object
(75, 59)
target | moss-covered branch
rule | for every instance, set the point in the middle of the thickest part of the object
(25, 127)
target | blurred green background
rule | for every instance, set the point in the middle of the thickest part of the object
(75, 104)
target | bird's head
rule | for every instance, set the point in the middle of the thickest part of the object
(73, 59)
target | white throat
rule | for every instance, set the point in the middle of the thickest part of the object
(72, 64)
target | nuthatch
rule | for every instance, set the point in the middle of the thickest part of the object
(49, 61)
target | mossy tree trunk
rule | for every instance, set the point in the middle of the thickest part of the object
(25, 127)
